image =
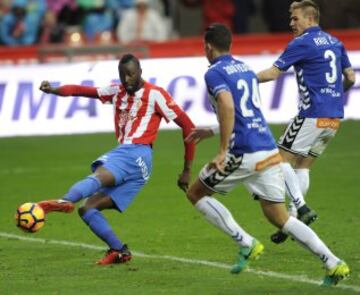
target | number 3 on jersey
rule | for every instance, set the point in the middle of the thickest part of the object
(253, 95)
(331, 77)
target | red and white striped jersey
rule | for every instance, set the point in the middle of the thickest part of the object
(137, 117)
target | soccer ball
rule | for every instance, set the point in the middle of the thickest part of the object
(30, 217)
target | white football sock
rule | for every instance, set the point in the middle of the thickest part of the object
(218, 215)
(303, 176)
(292, 209)
(292, 185)
(310, 240)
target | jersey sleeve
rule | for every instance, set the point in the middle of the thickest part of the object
(345, 62)
(215, 82)
(295, 52)
(166, 106)
(108, 93)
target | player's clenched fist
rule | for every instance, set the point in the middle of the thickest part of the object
(46, 87)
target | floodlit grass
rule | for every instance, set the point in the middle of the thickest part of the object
(161, 222)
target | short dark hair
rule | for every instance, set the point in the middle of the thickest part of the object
(309, 8)
(129, 57)
(219, 36)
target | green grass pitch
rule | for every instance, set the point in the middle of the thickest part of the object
(161, 225)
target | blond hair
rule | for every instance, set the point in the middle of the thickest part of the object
(308, 7)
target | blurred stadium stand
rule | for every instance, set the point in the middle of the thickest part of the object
(191, 46)
(263, 33)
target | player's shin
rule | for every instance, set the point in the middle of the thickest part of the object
(310, 240)
(99, 226)
(218, 215)
(292, 209)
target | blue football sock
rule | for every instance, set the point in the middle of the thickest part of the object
(82, 189)
(99, 225)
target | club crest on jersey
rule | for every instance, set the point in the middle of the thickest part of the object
(124, 117)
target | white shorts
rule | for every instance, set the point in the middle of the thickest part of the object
(308, 136)
(260, 172)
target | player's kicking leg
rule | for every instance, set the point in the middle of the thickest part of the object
(80, 190)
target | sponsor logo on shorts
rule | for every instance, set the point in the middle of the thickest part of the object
(328, 123)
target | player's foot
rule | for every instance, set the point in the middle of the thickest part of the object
(278, 237)
(116, 256)
(57, 205)
(306, 215)
(246, 254)
(336, 274)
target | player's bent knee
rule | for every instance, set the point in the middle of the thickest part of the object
(197, 191)
(192, 195)
(82, 210)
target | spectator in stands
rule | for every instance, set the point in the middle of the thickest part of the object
(21, 25)
(98, 18)
(5, 6)
(276, 15)
(243, 9)
(167, 9)
(66, 11)
(142, 23)
(351, 8)
(119, 6)
(339, 14)
(59, 15)
(215, 11)
(51, 30)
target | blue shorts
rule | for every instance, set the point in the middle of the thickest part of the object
(131, 166)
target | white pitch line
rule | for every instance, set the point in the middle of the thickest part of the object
(30, 169)
(295, 278)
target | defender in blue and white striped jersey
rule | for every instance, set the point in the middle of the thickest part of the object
(323, 72)
(247, 154)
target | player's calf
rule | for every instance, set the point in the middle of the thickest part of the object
(304, 214)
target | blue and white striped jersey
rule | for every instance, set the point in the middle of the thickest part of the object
(319, 60)
(251, 132)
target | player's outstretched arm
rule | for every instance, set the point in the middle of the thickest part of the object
(198, 134)
(69, 90)
(186, 125)
(269, 74)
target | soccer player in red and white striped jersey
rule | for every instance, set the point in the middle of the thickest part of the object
(120, 174)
